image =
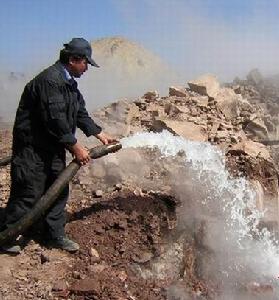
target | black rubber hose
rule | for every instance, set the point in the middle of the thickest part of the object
(5, 161)
(52, 193)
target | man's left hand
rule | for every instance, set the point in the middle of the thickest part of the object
(105, 138)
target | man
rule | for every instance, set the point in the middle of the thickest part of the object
(50, 109)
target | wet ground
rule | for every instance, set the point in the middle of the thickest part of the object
(117, 236)
(131, 248)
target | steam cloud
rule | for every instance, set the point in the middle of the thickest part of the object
(238, 253)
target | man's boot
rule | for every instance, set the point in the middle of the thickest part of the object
(64, 243)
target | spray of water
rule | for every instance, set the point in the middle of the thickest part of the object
(243, 252)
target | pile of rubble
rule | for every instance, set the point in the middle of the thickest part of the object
(262, 93)
(205, 112)
(124, 213)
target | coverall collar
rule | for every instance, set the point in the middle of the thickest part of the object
(61, 68)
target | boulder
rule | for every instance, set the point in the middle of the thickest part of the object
(252, 149)
(177, 91)
(133, 112)
(155, 110)
(200, 101)
(183, 109)
(228, 102)
(222, 134)
(244, 105)
(206, 85)
(257, 128)
(187, 130)
(171, 109)
(151, 95)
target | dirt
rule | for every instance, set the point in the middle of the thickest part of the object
(124, 231)
(120, 240)
(122, 236)
(118, 236)
(130, 246)
(253, 169)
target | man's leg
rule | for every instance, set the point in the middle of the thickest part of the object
(27, 185)
(56, 217)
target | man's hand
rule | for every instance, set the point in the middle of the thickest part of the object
(105, 138)
(80, 153)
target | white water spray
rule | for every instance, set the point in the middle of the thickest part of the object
(243, 252)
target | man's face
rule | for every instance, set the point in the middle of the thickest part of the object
(77, 67)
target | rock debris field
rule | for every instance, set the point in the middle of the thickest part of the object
(124, 208)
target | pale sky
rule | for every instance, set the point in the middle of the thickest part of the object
(196, 36)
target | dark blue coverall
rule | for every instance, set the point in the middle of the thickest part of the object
(50, 109)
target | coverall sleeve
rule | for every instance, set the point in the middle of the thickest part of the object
(84, 121)
(55, 114)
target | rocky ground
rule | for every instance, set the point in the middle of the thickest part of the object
(126, 220)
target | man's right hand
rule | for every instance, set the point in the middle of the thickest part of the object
(80, 153)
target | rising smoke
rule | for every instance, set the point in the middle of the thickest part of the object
(242, 256)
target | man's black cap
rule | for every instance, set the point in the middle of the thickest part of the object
(80, 46)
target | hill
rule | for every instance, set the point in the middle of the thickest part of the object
(126, 70)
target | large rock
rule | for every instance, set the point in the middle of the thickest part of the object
(206, 85)
(225, 98)
(173, 110)
(257, 128)
(151, 95)
(200, 101)
(228, 102)
(245, 105)
(177, 91)
(188, 130)
(253, 149)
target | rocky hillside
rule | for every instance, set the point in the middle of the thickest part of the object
(262, 93)
(126, 209)
(203, 111)
(126, 57)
